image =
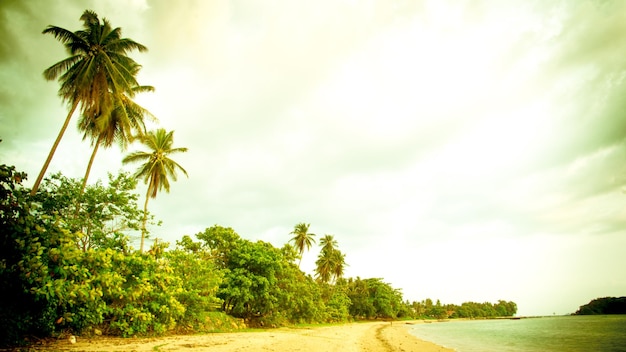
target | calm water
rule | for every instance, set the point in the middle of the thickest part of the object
(567, 334)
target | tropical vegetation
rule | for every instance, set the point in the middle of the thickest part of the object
(124, 124)
(157, 167)
(62, 273)
(100, 78)
(302, 239)
(67, 259)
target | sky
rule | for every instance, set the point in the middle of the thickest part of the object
(460, 150)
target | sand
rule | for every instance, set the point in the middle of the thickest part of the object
(355, 337)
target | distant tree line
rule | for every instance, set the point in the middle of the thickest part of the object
(604, 305)
(472, 310)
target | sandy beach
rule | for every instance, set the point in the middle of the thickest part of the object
(355, 337)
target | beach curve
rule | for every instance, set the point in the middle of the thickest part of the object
(353, 337)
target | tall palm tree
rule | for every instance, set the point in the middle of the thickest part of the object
(302, 239)
(157, 167)
(97, 66)
(124, 124)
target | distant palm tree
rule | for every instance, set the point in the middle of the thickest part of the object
(324, 267)
(330, 262)
(339, 263)
(302, 239)
(157, 167)
(121, 126)
(330, 265)
(96, 73)
(328, 244)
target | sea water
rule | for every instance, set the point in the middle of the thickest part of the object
(562, 334)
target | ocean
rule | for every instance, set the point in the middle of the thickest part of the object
(559, 334)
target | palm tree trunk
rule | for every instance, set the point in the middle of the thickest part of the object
(82, 189)
(145, 219)
(53, 150)
(93, 156)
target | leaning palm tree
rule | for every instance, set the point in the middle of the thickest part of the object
(157, 167)
(124, 124)
(97, 66)
(302, 239)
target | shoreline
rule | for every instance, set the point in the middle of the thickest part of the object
(351, 337)
(403, 340)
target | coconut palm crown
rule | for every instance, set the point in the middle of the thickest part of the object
(330, 262)
(124, 124)
(302, 239)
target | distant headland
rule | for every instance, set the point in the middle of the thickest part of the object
(604, 305)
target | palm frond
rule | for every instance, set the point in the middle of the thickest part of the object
(63, 35)
(136, 157)
(89, 18)
(54, 71)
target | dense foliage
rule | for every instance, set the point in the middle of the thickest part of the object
(604, 305)
(68, 266)
(103, 215)
(62, 269)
